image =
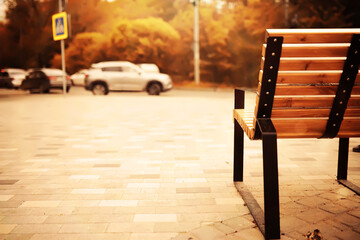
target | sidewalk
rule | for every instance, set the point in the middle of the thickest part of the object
(131, 166)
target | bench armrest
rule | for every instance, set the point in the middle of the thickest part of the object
(266, 126)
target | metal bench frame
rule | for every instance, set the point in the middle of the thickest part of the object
(268, 220)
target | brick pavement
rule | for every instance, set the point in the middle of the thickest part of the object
(130, 166)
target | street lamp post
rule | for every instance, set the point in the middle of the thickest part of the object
(286, 13)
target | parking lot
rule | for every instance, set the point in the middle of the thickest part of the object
(133, 166)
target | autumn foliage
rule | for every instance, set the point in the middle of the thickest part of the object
(161, 32)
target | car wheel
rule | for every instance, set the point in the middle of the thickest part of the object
(67, 89)
(33, 90)
(42, 88)
(99, 89)
(154, 89)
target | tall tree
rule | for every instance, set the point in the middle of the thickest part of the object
(88, 15)
(247, 35)
(143, 40)
(28, 33)
(319, 14)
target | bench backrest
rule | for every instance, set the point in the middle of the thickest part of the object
(300, 74)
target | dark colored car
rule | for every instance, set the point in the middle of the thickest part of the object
(42, 80)
(5, 80)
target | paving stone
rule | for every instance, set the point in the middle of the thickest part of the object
(37, 228)
(16, 236)
(355, 213)
(8, 182)
(23, 219)
(193, 190)
(294, 235)
(40, 204)
(155, 218)
(6, 228)
(131, 227)
(207, 232)
(249, 233)
(83, 228)
(55, 236)
(185, 236)
(291, 223)
(332, 208)
(312, 201)
(152, 236)
(175, 226)
(314, 216)
(348, 235)
(224, 228)
(348, 219)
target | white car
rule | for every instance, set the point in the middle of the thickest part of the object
(17, 75)
(124, 76)
(78, 78)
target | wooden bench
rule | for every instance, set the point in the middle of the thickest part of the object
(309, 87)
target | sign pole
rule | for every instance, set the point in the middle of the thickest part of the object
(63, 54)
(63, 65)
(60, 32)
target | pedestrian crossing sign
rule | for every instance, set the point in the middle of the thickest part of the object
(60, 26)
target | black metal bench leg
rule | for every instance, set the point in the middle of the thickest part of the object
(238, 152)
(343, 166)
(238, 139)
(271, 186)
(343, 158)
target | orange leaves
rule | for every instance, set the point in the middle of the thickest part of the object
(139, 40)
(86, 48)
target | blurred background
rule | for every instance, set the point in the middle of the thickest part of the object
(161, 32)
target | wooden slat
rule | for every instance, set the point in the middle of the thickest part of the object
(296, 127)
(306, 64)
(310, 113)
(311, 102)
(323, 35)
(310, 90)
(303, 90)
(313, 50)
(309, 77)
(313, 127)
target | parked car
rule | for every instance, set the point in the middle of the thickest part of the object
(17, 75)
(124, 76)
(42, 80)
(78, 78)
(5, 80)
(149, 67)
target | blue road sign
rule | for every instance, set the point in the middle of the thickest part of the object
(59, 23)
(60, 27)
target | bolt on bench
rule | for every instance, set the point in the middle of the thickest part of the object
(309, 87)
